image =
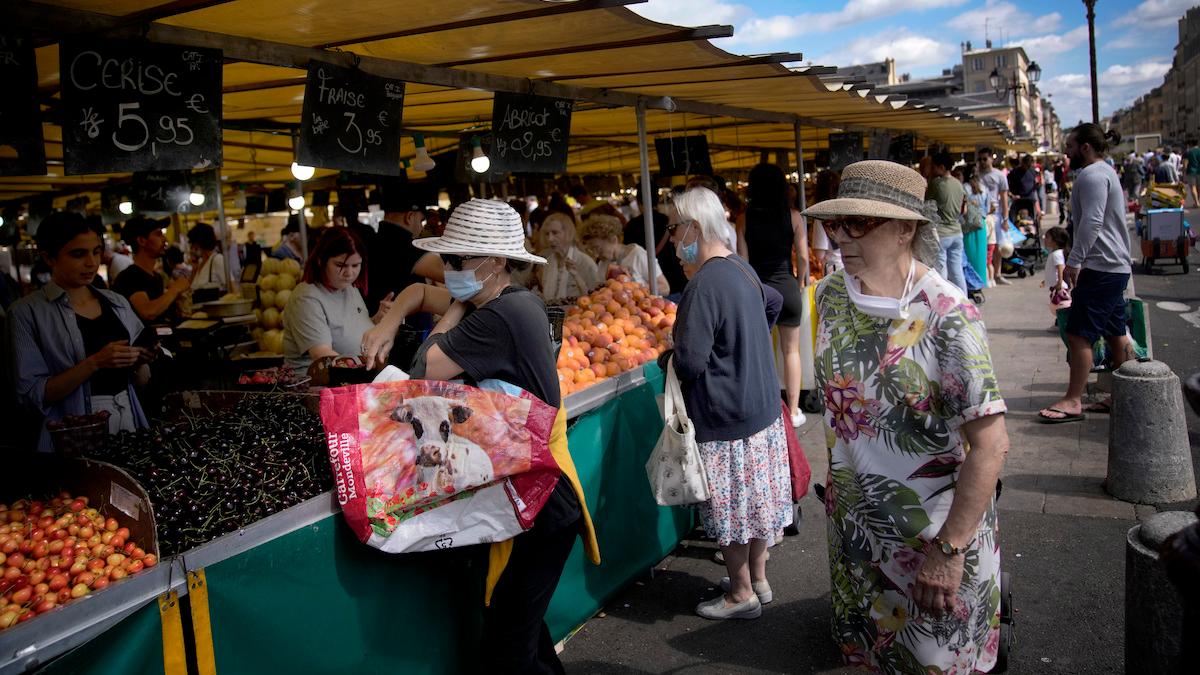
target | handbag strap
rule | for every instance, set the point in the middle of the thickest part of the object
(754, 281)
(673, 395)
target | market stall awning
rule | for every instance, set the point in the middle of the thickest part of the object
(455, 53)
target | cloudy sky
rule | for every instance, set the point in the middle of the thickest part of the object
(1135, 39)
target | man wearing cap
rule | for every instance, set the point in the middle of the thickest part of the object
(141, 282)
(289, 241)
(395, 263)
(492, 329)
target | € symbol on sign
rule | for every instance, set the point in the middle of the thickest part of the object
(196, 103)
(383, 117)
(556, 135)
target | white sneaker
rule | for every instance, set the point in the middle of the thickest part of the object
(717, 610)
(761, 588)
(798, 418)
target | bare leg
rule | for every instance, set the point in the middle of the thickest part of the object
(789, 341)
(1081, 366)
(996, 261)
(737, 564)
(758, 560)
(1121, 349)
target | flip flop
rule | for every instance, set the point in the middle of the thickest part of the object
(1068, 417)
(1099, 407)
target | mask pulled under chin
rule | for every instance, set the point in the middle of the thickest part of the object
(878, 306)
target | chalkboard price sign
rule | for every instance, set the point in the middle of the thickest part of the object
(683, 156)
(164, 192)
(140, 106)
(22, 152)
(530, 133)
(845, 149)
(351, 120)
(901, 150)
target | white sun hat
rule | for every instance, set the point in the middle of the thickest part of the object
(482, 227)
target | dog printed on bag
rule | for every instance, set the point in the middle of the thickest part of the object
(444, 459)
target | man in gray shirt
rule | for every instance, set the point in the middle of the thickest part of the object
(997, 188)
(1097, 270)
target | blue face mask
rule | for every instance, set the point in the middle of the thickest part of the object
(463, 285)
(689, 253)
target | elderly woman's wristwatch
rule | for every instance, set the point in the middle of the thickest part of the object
(948, 548)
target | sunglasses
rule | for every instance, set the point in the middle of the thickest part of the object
(855, 227)
(456, 261)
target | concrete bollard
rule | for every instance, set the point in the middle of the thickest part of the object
(1149, 458)
(1153, 610)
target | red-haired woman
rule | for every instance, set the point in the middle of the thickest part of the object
(326, 315)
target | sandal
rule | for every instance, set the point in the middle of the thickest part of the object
(1100, 407)
(1066, 417)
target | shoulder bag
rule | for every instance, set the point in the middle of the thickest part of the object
(675, 468)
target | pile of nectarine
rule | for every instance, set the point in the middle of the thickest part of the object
(615, 328)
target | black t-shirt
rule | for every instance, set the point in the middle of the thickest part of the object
(668, 262)
(391, 257)
(769, 241)
(509, 339)
(134, 279)
(98, 333)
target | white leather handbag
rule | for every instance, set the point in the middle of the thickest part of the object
(675, 469)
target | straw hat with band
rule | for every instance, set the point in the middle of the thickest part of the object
(881, 189)
(482, 227)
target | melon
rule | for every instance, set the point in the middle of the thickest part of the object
(268, 282)
(289, 266)
(285, 282)
(281, 299)
(267, 298)
(271, 318)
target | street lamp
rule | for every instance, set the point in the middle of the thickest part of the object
(1091, 18)
(1004, 84)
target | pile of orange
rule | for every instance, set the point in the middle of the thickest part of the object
(616, 328)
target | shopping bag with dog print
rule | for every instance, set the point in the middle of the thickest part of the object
(421, 465)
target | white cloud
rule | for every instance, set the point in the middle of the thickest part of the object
(693, 12)
(911, 51)
(1156, 13)
(1120, 86)
(781, 27)
(1130, 40)
(1049, 45)
(1000, 20)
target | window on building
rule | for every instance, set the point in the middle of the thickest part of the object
(980, 87)
(977, 63)
(1002, 60)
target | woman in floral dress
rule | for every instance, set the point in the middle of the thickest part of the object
(903, 363)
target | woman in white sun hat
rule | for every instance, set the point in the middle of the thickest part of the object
(491, 329)
(903, 366)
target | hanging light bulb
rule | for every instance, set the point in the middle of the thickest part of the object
(302, 172)
(479, 161)
(296, 202)
(125, 207)
(422, 162)
(196, 198)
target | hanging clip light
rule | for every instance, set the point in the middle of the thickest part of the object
(196, 198)
(126, 207)
(302, 172)
(422, 162)
(296, 203)
(479, 161)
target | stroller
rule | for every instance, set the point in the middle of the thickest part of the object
(975, 284)
(1026, 255)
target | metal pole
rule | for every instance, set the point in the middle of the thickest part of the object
(647, 204)
(231, 281)
(303, 230)
(1091, 19)
(800, 167)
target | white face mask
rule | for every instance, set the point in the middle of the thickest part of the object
(884, 308)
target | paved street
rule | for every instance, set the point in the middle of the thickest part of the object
(1062, 536)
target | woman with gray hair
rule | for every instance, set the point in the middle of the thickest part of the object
(723, 359)
(903, 365)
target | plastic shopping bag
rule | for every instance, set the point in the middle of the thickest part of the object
(422, 465)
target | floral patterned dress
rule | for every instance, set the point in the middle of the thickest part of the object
(896, 393)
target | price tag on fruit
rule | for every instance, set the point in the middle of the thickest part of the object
(351, 120)
(135, 106)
